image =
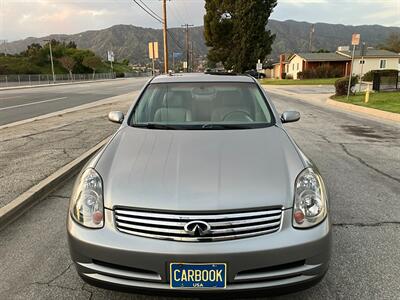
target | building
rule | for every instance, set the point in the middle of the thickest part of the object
(341, 59)
(278, 69)
(300, 62)
(372, 60)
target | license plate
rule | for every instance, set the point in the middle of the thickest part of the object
(184, 275)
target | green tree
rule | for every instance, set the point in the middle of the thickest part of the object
(236, 32)
(322, 51)
(32, 50)
(71, 45)
(392, 42)
(92, 62)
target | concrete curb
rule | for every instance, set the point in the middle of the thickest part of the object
(365, 110)
(38, 192)
(58, 84)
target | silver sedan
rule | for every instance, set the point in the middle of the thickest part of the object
(200, 190)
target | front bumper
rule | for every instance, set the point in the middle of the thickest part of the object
(289, 257)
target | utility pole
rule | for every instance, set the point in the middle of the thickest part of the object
(362, 53)
(110, 58)
(51, 59)
(186, 26)
(312, 30)
(355, 41)
(165, 36)
(5, 47)
(173, 62)
(191, 56)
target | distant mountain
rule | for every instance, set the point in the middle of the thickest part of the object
(294, 36)
(128, 41)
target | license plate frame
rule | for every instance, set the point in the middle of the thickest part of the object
(196, 284)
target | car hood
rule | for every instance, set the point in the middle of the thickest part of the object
(199, 170)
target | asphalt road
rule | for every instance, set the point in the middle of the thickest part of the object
(360, 161)
(21, 104)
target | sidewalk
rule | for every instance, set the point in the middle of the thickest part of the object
(32, 151)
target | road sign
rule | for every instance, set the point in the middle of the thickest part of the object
(153, 50)
(185, 64)
(355, 39)
(259, 65)
(110, 56)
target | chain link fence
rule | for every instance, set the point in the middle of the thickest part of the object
(44, 79)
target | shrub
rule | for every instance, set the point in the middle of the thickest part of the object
(342, 84)
(369, 76)
(300, 75)
(119, 75)
(283, 75)
(323, 71)
(289, 76)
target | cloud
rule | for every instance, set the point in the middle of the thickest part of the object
(349, 12)
(23, 18)
(53, 17)
(93, 13)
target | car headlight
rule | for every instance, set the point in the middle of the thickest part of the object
(310, 203)
(87, 205)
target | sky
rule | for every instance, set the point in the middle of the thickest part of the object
(25, 18)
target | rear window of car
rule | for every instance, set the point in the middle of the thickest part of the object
(202, 106)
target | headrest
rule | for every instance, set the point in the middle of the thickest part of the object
(230, 98)
(172, 99)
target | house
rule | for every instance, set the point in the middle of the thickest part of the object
(279, 68)
(372, 60)
(300, 62)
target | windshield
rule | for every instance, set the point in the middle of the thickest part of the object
(202, 106)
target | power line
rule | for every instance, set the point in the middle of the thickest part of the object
(171, 35)
(187, 44)
(149, 12)
(176, 13)
(152, 11)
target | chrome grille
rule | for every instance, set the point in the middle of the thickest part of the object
(168, 226)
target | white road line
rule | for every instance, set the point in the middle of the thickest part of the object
(33, 103)
(13, 97)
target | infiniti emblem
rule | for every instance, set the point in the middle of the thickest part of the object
(197, 228)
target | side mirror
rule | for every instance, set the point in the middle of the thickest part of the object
(290, 116)
(116, 117)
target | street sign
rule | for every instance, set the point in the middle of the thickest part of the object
(110, 56)
(185, 64)
(153, 50)
(259, 65)
(355, 39)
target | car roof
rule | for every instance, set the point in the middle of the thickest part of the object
(202, 77)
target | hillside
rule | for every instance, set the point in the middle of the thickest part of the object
(130, 42)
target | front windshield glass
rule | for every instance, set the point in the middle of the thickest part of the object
(202, 106)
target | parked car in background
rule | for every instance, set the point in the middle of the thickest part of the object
(201, 189)
(255, 74)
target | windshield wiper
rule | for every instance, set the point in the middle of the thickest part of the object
(225, 126)
(156, 126)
